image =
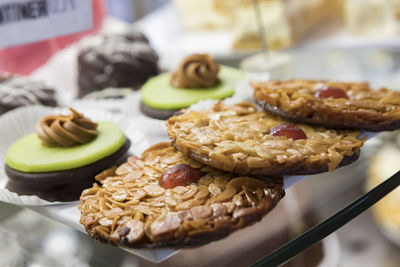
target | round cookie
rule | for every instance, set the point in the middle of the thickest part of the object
(17, 91)
(242, 140)
(167, 93)
(143, 203)
(331, 104)
(64, 156)
(122, 60)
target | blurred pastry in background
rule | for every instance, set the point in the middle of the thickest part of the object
(206, 14)
(396, 5)
(120, 60)
(371, 17)
(246, 33)
(284, 22)
(287, 22)
(387, 211)
(197, 78)
(17, 91)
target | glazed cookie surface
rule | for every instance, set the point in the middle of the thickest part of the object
(242, 140)
(166, 199)
(331, 104)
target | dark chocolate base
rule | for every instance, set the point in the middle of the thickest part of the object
(160, 114)
(63, 185)
(296, 171)
(345, 161)
(335, 124)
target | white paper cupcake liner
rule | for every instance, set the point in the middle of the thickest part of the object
(20, 122)
(110, 104)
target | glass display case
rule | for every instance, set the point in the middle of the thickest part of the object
(50, 235)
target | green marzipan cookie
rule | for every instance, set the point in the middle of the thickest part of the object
(158, 93)
(28, 154)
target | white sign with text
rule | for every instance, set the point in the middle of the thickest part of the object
(27, 21)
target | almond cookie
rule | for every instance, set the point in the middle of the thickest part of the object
(331, 104)
(166, 199)
(245, 141)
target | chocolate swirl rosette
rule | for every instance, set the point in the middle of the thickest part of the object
(67, 131)
(64, 155)
(195, 71)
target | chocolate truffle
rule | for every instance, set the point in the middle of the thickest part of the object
(122, 60)
(17, 91)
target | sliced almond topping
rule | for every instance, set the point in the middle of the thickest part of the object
(201, 212)
(154, 190)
